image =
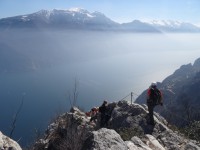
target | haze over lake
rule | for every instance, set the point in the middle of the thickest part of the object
(107, 65)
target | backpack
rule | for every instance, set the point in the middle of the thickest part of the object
(156, 96)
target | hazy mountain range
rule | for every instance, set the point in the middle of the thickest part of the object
(25, 41)
(82, 19)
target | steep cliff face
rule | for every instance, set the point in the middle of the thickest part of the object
(8, 144)
(181, 95)
(127, 129)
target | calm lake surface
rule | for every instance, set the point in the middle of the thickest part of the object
(106, 66)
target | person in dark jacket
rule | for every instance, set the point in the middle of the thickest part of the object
(103, 109)
(154, 97)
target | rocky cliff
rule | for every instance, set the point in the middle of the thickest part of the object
(181, 95)
(8, 144)
(127, 129)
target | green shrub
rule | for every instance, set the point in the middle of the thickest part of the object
(127, 133)
(192, 131)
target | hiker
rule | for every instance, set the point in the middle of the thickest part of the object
(93, 114)
(103, 109)
(154, 97)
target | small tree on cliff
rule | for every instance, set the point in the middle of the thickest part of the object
(74, 95)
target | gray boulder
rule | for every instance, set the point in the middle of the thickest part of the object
(67, 132)
(137, 144)
(104, 139)
(8, 144)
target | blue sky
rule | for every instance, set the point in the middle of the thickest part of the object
(117, 10)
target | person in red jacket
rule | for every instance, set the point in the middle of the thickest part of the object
(154, 97)
(93, 114)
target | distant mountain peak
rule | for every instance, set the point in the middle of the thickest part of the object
(171, 23)
(173, 26)
(98, 13)
(76, 9)
(71, 11)
(44, 13)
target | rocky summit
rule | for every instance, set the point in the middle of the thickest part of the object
(127, 129)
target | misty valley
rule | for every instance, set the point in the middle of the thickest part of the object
(41, 66)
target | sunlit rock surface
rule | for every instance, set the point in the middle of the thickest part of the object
(8, 144)
(127, 129)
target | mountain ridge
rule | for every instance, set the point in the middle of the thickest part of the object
(127, 129)
(77, 18)
(180, 92)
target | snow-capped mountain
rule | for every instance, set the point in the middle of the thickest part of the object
(170, 23)
(138, 26)
(77, 18)
(72, 18)
(174, 26)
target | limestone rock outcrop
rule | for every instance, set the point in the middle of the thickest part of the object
(127, 129)
(8, 144)
(104, 139)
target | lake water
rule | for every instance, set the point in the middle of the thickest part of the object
(106, 66)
